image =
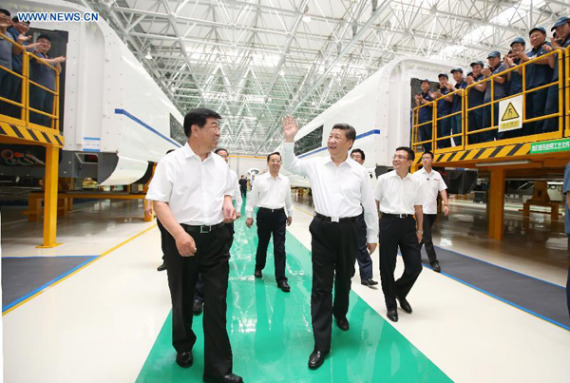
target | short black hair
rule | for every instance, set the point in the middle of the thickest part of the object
(359, 151)
(272, 154)
(349, 131)
(198, 116)
(44, 36)
(170, 151)
(411, 154)
(428, 152)
(4, 11)
(221, 150)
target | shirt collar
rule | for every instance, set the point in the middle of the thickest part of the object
(188, 153)
(345, 162)
(394, 174)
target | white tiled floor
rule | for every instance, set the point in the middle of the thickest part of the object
(99, 324)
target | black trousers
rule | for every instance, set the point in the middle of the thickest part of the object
(211, 260)
(362, 256)
(429, 220)
(394, 233)
(269, 223)
(199, 291)
(243, 192)
(163, 237)
(333, 246)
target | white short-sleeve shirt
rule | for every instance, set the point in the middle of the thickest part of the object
(397, 195)
(271, 193)
(430, 185)
(194, 189)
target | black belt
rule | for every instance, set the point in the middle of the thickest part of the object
(202, 229)
(397, 215)
(329, 219)
(272, 210)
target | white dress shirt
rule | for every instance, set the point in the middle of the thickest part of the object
(194, 189)
(430, 185)
(271, 193)
(397, 195)
(338, 191)
(235, 190)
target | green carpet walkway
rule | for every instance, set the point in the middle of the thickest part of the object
(271, 333)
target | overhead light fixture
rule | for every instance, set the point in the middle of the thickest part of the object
(503, 163)
(282, 72)
(306, 18)
(148, 56)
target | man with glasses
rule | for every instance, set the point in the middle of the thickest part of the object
(398, 199)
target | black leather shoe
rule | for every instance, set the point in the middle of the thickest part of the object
(198, 307)
(283, 285)
(316, 359)
(184, 359)
(369, 282)
(342, 324)
(392, 315)
(405, 305)
(229, 378)
(161, 267)
(258, 274)
(436, 267)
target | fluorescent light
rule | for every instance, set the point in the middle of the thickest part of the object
(307, 19)
(148, 56)
(503, 163)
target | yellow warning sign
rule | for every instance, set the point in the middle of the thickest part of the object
(510, 113)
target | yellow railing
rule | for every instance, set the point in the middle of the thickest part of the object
(561, 115)
(27, 113)
(423, 129)
(567, 86)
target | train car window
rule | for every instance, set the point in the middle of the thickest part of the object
(311, 141)
(177, 131)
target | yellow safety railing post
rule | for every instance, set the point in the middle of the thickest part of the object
(567, 86)
(50, 197)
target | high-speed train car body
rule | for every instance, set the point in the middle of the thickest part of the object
(379, 109)
(115, 119)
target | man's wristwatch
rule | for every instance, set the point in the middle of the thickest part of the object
(419, 232)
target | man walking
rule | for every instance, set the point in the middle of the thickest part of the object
(192, 194)
(341, 192)
(431, 184)
(271, 192)
(362, 256)
(398, 199)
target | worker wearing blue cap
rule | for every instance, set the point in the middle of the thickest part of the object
(475, 95)
(425, 114)
(514, 77)
(537, 74)
(499, 91)
(460, 83)
(443, 111)
(562, 30)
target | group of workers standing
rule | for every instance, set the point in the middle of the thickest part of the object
(487, 84)
(193, 191)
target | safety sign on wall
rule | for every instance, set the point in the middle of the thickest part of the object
(511, 114)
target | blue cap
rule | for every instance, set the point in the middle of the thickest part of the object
(478, 62)
(494, 54)
(518, 40)
(456, 70)
(443, 75)
(541, 29)
(425, 80)
(561, 21)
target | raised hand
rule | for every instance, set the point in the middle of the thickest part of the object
(290, 128)
(23, 38)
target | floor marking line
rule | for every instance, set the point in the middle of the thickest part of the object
(57, 281)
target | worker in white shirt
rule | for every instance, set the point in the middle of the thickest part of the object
(398, 198)
(199, 292)
(431, 184)
(192, 193)
(271, 192)
(341, 193)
